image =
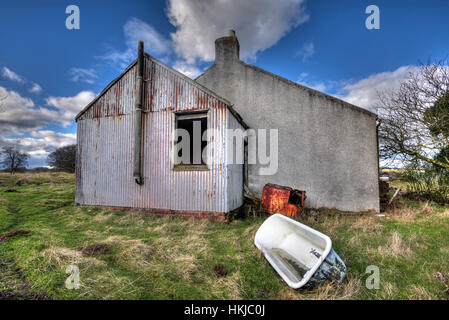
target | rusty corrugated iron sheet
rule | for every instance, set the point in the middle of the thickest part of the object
(105, 149)
(283, 200)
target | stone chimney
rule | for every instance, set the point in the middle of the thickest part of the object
(227, 49)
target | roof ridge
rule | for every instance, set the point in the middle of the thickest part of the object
(301, 86)
(114, 81)
(228, 104)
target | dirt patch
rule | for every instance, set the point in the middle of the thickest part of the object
(220, 271)
(11, 190)
(8, 295)
(18, 288)
(264, 292)
(14, 233)
(95, 249)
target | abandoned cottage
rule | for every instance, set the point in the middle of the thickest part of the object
(127, 154)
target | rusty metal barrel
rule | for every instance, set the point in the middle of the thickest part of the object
(283, 200)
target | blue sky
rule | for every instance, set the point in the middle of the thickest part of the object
(48, 73)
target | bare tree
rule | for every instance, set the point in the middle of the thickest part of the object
(63, 158)
(13, 159)
(415, 118)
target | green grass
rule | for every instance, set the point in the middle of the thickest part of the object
(155, 257)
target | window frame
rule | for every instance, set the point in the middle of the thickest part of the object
(194, 114)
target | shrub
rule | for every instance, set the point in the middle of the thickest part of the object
(428, 184)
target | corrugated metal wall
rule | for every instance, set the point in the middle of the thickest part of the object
(105, 146)
(234, 174)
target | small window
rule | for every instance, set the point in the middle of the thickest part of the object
(189, 154)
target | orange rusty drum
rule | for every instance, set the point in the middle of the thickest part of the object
(283, 200)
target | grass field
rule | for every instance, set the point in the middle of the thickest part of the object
(154, 257)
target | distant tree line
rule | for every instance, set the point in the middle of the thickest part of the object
(12, 160)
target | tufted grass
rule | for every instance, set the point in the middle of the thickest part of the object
(154, 257)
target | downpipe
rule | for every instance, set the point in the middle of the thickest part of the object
(137, 170)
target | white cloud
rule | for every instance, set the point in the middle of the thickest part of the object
(189, 70)
(258, 25)
(135, 30)
(68, 107)
(19, 113)
(120, 59)
(83, 75)
(35, 88)
(364, 93)
(306, 51)
(11, 75)
(22, 122)
(49, 138)
(317, 85)
(21, 119)
(198, 23)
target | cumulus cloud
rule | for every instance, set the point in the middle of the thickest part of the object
(198, 23)
(306, 51)
(364, 93)
(68, 107)
(45, 140)
(19, 114)
(83, 75)
(259, 25)
(11, 75)
(22, 122)
(35, 88)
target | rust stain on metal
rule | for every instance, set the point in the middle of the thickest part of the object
(283, 200)
(105, 131)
